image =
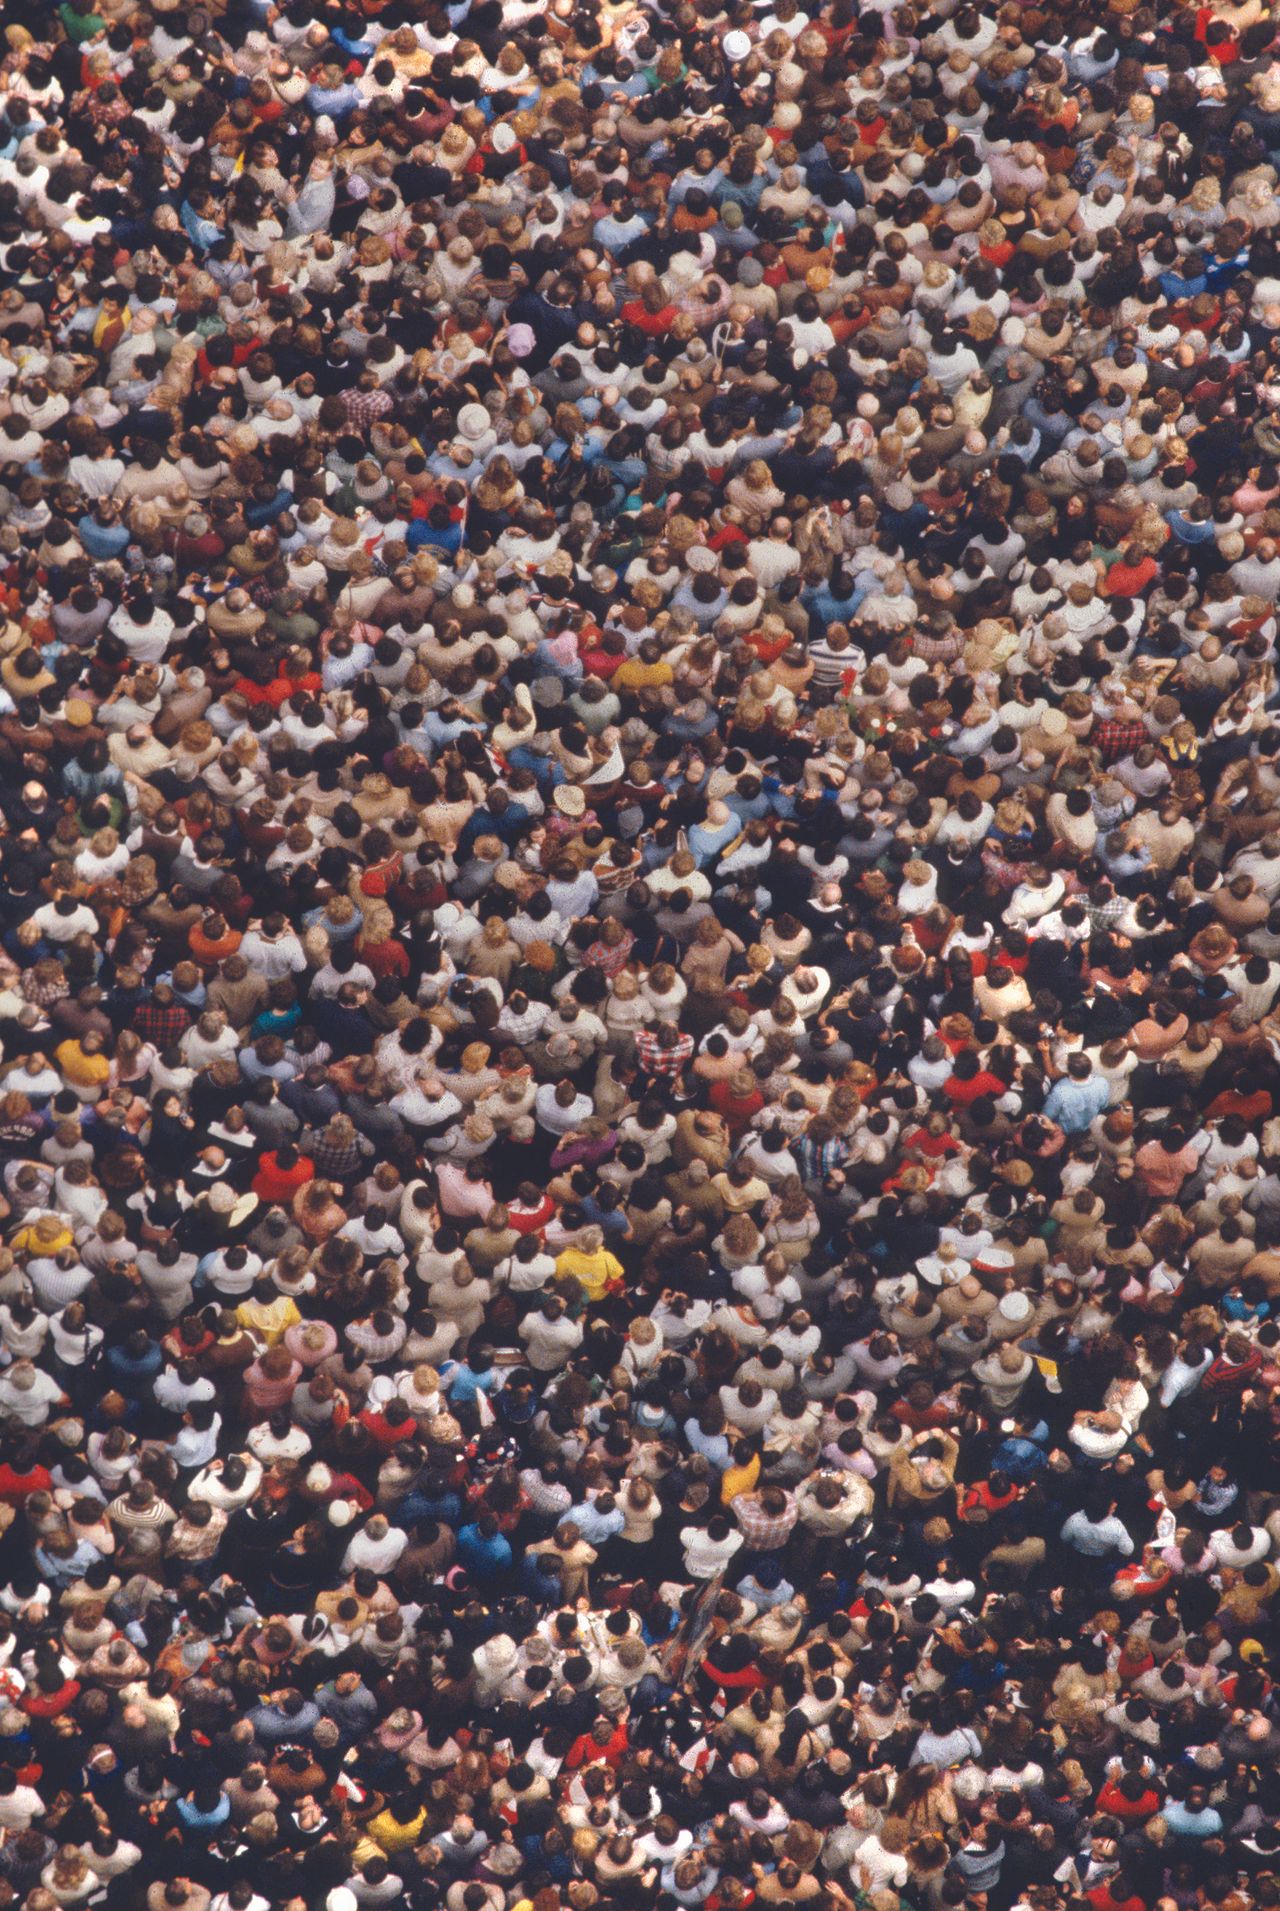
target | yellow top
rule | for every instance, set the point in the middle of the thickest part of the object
(739, 1479)
(593, 1272)
(635, 675)
(270, 1320)
(390, 1835)
(86, 1071)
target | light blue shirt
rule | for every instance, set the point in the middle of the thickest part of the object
(1096, 1538)
(1073, 1105)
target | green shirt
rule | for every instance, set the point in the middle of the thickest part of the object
(80, 26)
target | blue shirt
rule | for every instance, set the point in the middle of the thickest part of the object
(1095, 1539)
(336, 101)
(594, 1526)
(481, 1555)
(1205, 1823)
(463, 1384)
(102, 541)
(1073, 1105)
(271, 1726)
(1187, 531)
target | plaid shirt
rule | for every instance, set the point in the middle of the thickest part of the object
(705, 312)
(44, 994)
(654, 1059)
(1000, 869)
(762, 1531)
(336, 1161)
(610, 961)
(364, 407)
(1102, 914)
(1116, 737)
(161, 1026)
(817, 1159)
(937, 650)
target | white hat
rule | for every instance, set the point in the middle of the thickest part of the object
(473, 421)
(569, 800)
(737, 45)
(944, 1267)
(1014, 1308)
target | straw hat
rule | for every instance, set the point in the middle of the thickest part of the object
(570, 800)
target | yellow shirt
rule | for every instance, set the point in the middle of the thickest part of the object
(739, 1479)
(270, 1320)
(635, 675)
(593, 1272)
(105, 320)
(85, 1071)
(390, 1835)
(27, 1241)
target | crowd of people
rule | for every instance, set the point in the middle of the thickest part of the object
(639, 954)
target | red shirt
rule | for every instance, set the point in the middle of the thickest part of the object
(240, 354)
(727, 534)
(531, 1220)
(380, 877)
(1132, 1810)
(983, 1083)
(929, 938)
(980, 1498)
(600, 663)
(278, 1185)
(1129, 580)
(1101, 1900)
(932, 1146)
(736, 1113)
(1226, 50)
(345, 1486)
(279, 690)
(382, 1433)
(14, 1486)
(386, 958)
(652, 324)
(920, 1419)
(748, 1678)
(1255, 1107)
(50, 1705)
(585, 1751)
(767, 649)
(1229, 1376)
